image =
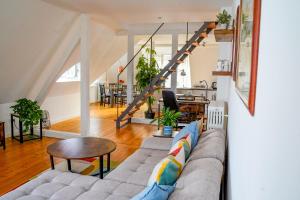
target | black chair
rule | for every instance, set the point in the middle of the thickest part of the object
(104, 98)
(170, 102)
(121, 96)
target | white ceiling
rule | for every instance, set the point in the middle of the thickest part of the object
(118, 14)
(30, 32)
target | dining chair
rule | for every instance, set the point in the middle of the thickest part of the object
(121, 96)
(104, 98)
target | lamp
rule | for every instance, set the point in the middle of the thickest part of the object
(183, 74)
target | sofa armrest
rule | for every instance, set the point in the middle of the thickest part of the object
(158, 143)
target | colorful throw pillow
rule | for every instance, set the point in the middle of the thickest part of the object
(192, 129)
(166, 171)
(155, 192)
(181, 149)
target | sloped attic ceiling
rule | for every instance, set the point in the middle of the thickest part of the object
(30, 31)
(118, 14)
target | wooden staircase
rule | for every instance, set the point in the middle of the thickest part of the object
(178, 58)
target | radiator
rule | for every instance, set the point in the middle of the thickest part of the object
(216, 113)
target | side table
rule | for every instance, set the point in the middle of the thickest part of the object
(2, 134)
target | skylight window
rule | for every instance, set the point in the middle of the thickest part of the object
(71, 75)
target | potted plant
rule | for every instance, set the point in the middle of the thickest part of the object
(168, 120)
(146, 70)
(224, 19)
(29, 112)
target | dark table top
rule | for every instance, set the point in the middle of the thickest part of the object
(77, 148)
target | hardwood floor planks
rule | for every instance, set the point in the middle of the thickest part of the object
(19, 163)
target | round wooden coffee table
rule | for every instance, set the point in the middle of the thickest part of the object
(78, 148)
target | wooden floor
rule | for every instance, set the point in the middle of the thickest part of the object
(19, 163)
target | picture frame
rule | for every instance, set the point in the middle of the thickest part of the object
(247, 52)
(235, 43)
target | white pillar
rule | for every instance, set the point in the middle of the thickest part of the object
(174, 51)
(84, 75)
(130, 68)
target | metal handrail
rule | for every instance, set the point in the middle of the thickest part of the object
(142, 47)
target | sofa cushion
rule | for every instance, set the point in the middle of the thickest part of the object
(137, 168)
(158, 143)
(56, 185)
(200, 179)
(211, 145)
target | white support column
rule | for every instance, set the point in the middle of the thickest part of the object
(84, 75)
(130, 68)
(174, 51)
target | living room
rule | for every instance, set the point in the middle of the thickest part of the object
(252, 156)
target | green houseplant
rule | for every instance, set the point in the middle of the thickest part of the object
(224, 18)
(168, 120)
(29, 112)
(146, 70)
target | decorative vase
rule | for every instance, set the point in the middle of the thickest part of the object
(168, 130)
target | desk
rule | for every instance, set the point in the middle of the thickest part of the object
(199, 102)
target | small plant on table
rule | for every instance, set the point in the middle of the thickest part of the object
(168, 120)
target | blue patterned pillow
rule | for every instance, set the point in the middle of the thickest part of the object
(155, 192)
(192, 129)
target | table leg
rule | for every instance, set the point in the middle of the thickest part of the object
(21, 131)
(4, 136)
(101, 167)
(69, 165)
(12, 126)
(108, 162)
(52, 162)
(158, 112)
(41, 128)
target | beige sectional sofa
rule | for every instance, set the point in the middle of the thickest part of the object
(200, 179)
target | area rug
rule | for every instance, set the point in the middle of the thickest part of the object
(88, 167)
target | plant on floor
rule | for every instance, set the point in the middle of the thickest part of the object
(224, 18)
(146, 70)
(29, 112)
(168, 119)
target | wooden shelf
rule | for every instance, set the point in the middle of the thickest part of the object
(224, 35)
(221, 73)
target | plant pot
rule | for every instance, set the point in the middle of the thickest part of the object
(149, 115)
(222, 26)
(168, 130)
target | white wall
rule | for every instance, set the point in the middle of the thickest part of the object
(30, 33)
(62, 107)
(264, 150)
(202, 62)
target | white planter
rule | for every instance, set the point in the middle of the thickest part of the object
(221, 26)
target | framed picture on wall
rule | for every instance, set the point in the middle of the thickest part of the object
(248, 37)
(235, 43)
